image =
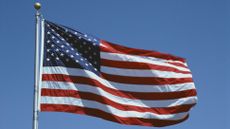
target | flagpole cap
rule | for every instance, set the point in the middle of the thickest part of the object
(37, 6)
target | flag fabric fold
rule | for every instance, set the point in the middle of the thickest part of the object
(83, 74)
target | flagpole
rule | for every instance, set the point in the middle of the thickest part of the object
(37, 6)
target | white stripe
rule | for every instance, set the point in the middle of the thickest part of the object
(115, 85)
(117, 99)
(151, 88)
(109, 109)
(153, 58)
(142, 59)
(143, 73)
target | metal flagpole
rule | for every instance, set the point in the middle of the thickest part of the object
(41, 60)
(37, 6)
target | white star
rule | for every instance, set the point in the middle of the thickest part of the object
(53, 37)
(95, 69)
(71, 56)
(48, 25)
(52, 30)
(77, 54)
(76, 61)
(85, 35)
(52, 45)
(86, 64)
(89, 39)
(94, 39)
(48, 41)
(48, 50)
(52, 54)
(70, 35)
(66, 30)
(57, 50)
(94, 44)
(58, 41)
(47, 59)
(75, 33)
(57, 58)
(81, 59)
(62, 46)
(48, 32)
(62, 54)
(62, 39)
(72, 49)
(67, 51)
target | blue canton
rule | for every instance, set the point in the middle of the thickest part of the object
(66, 47)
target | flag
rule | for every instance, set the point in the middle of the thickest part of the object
(83, 74)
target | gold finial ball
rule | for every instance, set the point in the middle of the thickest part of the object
(37, 6)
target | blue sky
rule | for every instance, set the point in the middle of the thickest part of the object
(195, 29)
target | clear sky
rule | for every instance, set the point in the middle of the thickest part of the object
(195, 29)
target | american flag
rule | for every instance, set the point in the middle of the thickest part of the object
(83, 74)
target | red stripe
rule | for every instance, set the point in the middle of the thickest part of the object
(114, 48)
(106, 101)
(124, 94)
(108, 116)
(139, 65)
(145, 80)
